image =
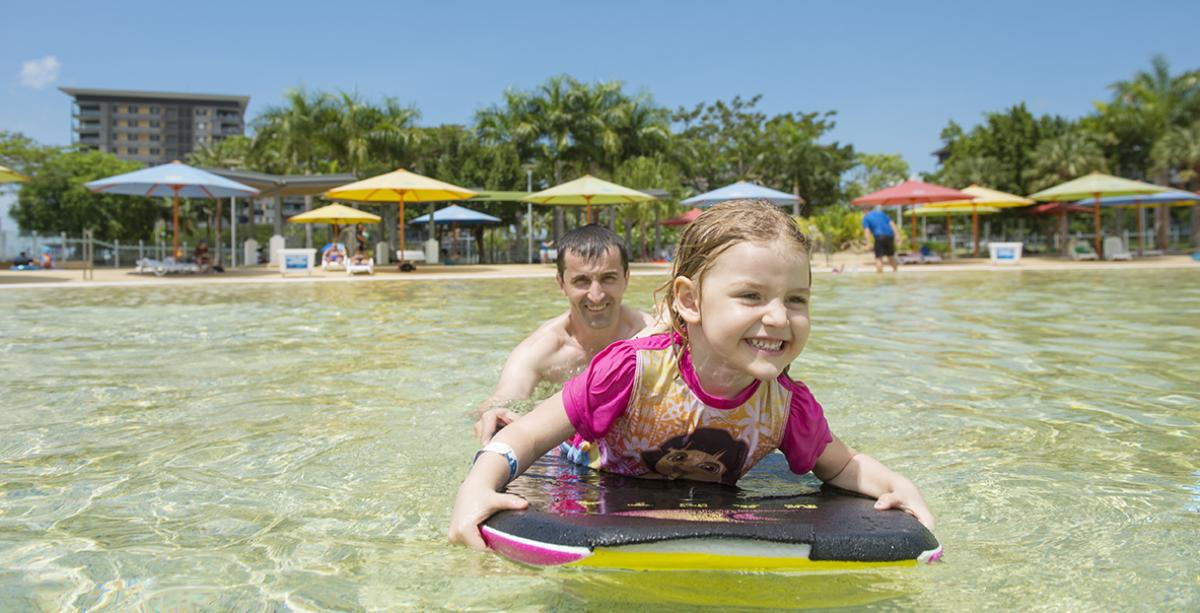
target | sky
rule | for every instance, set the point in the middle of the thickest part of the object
(895, 72)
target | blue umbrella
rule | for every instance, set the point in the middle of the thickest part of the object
(175, 179)
(456, 214)
(1173, 196)
(740, 190)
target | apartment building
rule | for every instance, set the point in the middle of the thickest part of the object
(152, 127)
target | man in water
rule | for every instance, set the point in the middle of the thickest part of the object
(593, 273)
(882, 231)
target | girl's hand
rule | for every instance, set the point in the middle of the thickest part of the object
(472, 507)
(910, 502)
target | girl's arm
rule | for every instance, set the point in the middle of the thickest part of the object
(846, 468)
(478, 497)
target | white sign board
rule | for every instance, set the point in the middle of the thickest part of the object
(296, 260)
(1005, 253)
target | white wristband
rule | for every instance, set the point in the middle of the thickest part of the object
(504, 450)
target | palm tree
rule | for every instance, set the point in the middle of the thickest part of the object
(1179, 150)
(1166, 100)
(1063, 158)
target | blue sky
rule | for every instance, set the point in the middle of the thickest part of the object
(894, 72)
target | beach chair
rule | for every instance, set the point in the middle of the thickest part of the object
(928, 256)
(334, 257)
(1081, 250)
(1115, 249)
(165, 266)
(908, 258)
(359, 265)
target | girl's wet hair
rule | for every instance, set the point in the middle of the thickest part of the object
(718, 229)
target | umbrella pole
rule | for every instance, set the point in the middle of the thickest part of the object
(588, 201)
(1096, 219)
(400, 229)
(1141, 245)
(913, 224)
(175, 225)
(950, 236)
(975, 229)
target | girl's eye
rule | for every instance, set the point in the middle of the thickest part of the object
(749, 296)
(798, 300)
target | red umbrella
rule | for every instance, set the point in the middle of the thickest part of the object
(1061, 209)
(911, 193)
(682, 220)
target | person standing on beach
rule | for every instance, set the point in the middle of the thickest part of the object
(882, 231)
(593, 273)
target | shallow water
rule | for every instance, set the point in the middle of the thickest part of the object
(296, 447)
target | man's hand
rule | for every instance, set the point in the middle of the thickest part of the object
(491, 421)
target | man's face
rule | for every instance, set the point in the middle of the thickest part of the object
(594, 287)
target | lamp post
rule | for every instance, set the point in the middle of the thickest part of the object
(529, 209)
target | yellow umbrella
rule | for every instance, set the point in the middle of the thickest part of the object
(983, 197)
(963, 207)
(336, 214)
(929, 210)
(8, 175)
(1095, 185)
(399, 186)
(587, 190)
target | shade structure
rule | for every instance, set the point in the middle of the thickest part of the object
(175, 179)
(960, 210)
(1096, 185)
(983, 197)
(457, 214)
(587, 190)
(335, 214)
(953, 211)
(911, 192)
(743, 190)
(1173, 197)
(399, 186)
(682, 220)
(8, 175)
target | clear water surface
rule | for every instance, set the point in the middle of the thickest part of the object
(296, 447)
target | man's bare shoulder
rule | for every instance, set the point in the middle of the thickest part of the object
(544, 342)
(634, 321)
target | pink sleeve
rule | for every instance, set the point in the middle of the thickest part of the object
(807, 432)
(598, 396)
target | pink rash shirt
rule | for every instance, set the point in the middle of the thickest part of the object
(637, 410)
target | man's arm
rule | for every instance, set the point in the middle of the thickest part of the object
(520, 375)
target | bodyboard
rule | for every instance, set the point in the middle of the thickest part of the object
(774, 521)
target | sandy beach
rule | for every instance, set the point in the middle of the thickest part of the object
(839, 263)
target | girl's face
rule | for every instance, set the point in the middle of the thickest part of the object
(751, 321)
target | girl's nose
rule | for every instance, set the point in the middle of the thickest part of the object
(775, 314)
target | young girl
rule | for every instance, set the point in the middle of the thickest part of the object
(705, 400)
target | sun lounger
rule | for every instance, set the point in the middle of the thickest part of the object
(411, 255)
(360, 265)
(334, 258)
(908, 258)
(1114, 249)
(1081, 250)
(165, 266)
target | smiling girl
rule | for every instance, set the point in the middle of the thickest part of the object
(737, 304)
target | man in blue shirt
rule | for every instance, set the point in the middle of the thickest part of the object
(882, 231)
